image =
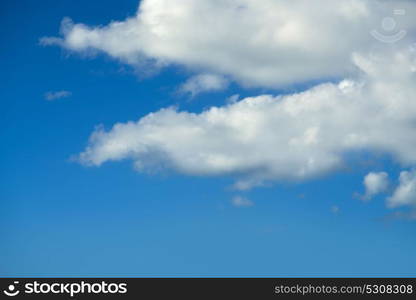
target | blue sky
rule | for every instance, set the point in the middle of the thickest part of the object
(61, 218)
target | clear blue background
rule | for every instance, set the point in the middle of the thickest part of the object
(58, 218)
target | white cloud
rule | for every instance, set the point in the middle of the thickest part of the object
(268, 43)
(240, 201)
(405, 193)
(204, 83)
(264, 43)
(267, 138)
(375, 183)
(51, 95)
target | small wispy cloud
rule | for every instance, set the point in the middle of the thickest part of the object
(54, 95)
(240, 201)
(335, 209)
(50, 41)
(204, 83)
(401, 216)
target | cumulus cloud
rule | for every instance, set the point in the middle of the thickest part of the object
(51, 95)
(375, 183)
(204, 83)
(367, 105)
(240, 201)
(405, 193)
(268, 138)
(267, 43)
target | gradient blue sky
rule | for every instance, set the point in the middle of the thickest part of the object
(59, 218)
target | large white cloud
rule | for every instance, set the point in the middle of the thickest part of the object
(267, 43)
(263, 138)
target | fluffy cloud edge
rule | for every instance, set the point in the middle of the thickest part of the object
(405, 192)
